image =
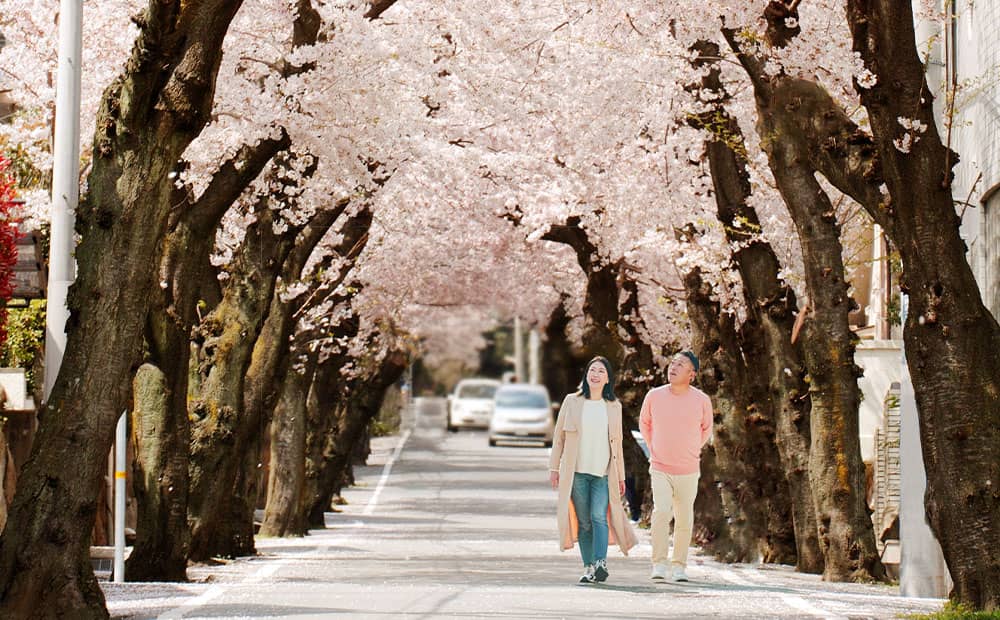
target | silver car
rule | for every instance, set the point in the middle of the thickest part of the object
(471, 404)
(522, 412)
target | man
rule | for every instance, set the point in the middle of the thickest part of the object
(676, 421)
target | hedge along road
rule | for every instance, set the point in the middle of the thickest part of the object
(441, 525)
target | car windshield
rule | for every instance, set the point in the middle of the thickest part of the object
(477, 390)
(519, 399)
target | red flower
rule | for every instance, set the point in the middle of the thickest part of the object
(9, 235)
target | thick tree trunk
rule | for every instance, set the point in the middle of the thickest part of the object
(358, 409)
(779, 393)
(224, 344)
(836, 470)
(288, 456)
(159, 476)
(162, 536)
(238, 367)
(148, 117)
(219, 394)
(952, 340)
(319, 477)
(752, 484)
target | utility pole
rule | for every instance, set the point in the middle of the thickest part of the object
(62, 263)
(518, 351)
(534, 357)
(65, 186)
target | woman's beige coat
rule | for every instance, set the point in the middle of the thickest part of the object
(565, 445)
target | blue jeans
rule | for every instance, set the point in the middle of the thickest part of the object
(590, 500)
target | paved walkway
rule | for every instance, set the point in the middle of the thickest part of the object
(443, 526)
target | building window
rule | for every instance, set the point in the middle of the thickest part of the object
(991, 234)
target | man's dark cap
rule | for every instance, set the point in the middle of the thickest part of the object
(694, 359)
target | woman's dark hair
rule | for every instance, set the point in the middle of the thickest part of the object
(608, 393)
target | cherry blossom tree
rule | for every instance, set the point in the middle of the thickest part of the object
(951, 338)
(527, 159)
(147, 117)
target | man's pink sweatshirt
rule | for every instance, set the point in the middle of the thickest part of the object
(675, 428)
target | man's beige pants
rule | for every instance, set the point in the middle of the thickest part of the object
(673, 498)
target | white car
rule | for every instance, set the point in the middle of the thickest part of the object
(471, 404)
(522, 412)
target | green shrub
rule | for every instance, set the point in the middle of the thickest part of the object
(25, 341)
(388, 419)
(957, 611)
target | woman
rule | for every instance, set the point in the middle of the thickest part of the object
(586, 462)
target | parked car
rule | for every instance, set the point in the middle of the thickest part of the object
(522, 412)
(470, 405)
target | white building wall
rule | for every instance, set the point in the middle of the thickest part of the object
(978, 46)
(971, 49)
(882, 361)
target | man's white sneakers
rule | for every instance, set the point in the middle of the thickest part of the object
(659, 571)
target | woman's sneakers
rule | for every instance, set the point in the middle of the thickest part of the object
(600, 570)
(596, 572)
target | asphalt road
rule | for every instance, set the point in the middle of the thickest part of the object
(443, 526)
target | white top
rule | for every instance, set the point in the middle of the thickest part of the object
(595, 449)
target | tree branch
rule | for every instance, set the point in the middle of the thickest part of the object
(377, 7)
(232, 178)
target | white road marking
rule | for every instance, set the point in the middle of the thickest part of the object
(797, 602)
(793, 601)
(194, 603)
(732, 577)
(273, 567)
(373, 501)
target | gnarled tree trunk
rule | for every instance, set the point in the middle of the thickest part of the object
(835, 468)
(160, 480)
(754, 491)
(148, 117)
(952, 340)
(771, 307)
(288, 456)
(224, 342)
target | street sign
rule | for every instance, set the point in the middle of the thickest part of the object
(29, 272)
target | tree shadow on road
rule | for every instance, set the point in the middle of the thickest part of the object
(621, 588)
